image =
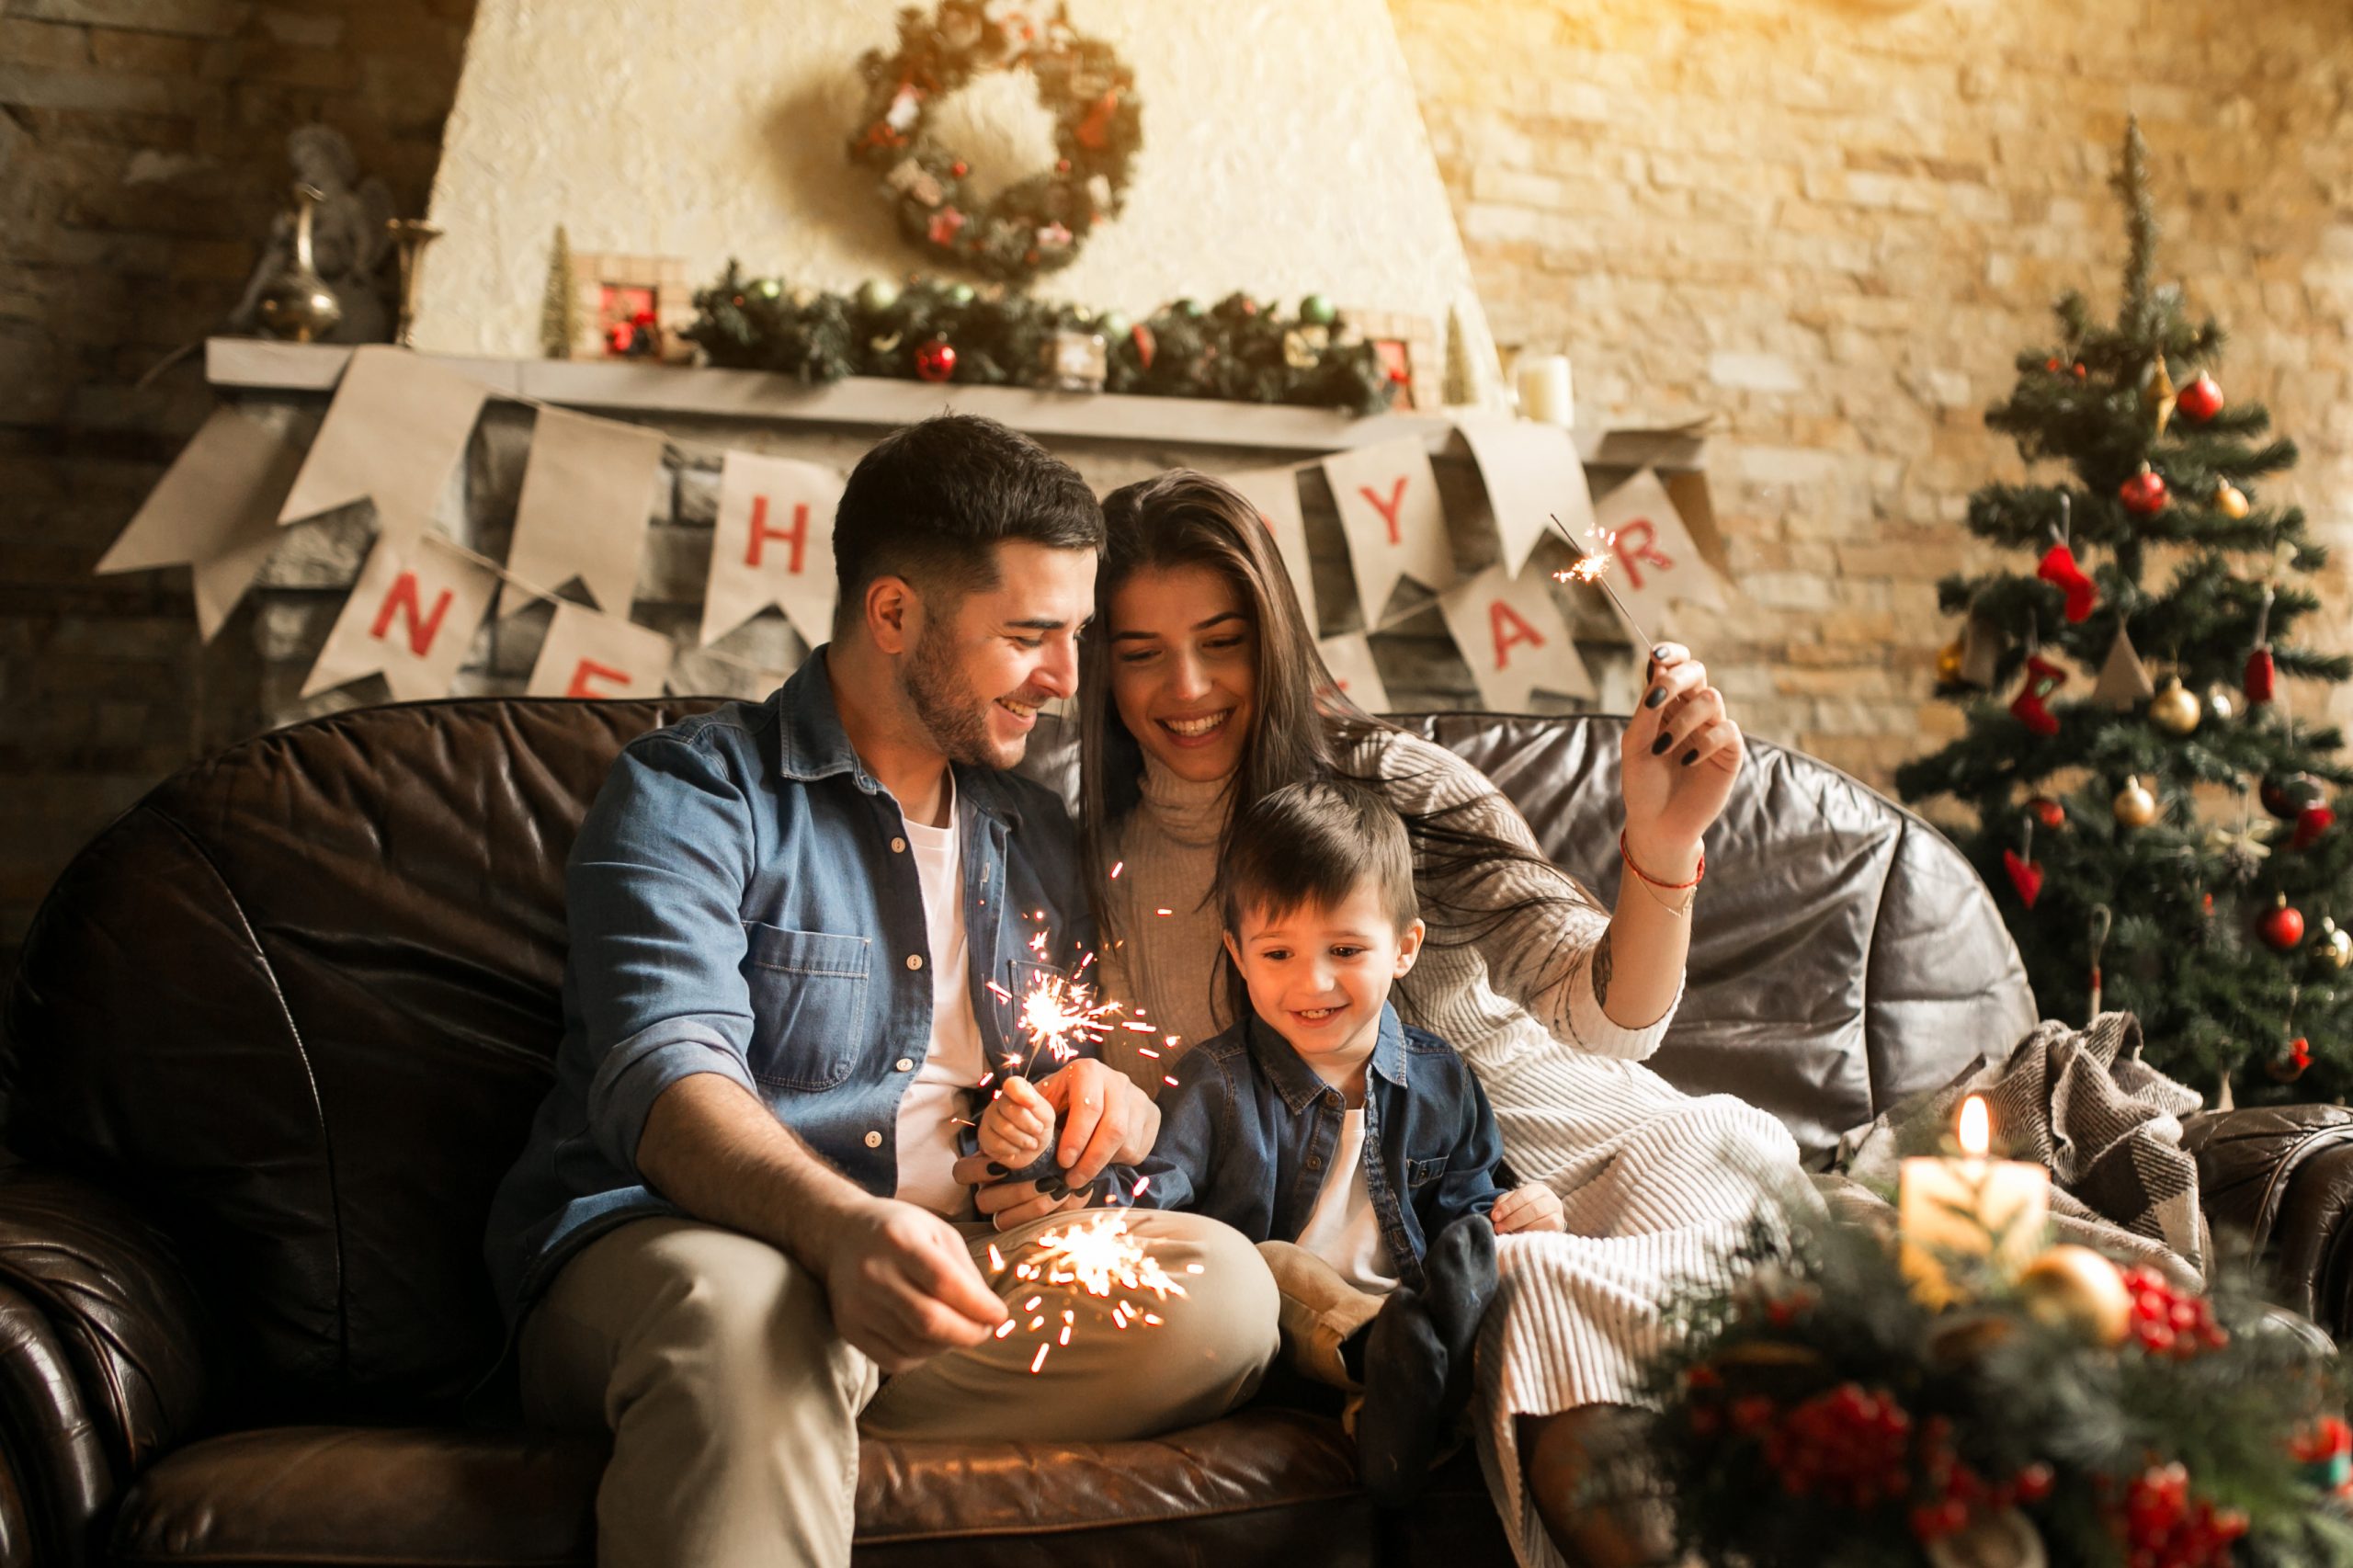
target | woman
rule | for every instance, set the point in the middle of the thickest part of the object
(1201, 691)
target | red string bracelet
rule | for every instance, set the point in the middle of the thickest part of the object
(1696, 877)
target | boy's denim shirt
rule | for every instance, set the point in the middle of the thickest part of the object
(1247, 1132)
(742, 902)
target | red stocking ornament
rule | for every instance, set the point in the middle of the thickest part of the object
(2042, 678)
(2262, 675)
(2059, 567)
(2024, 875)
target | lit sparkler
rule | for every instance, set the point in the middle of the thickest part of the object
(1098, 1255)
(1057, 1015)
(1593, 566)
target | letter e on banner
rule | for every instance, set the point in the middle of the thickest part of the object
(590, 655)
(773, 546)
(1510, 632)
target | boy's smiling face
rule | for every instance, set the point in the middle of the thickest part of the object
(1318, 974)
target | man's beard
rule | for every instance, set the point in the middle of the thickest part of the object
(953, 714)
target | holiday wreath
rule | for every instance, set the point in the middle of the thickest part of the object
(1037, 224)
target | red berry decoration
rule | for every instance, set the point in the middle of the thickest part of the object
(2051, 364)
(2166, 1322)
(2162, 1527)
(2145, 492)
(2201, 400)
(2289, 1068)
(1848, 1447)
(2282, 927)
(2047, 811)
(936, 360)
(2262, 676)
(2311, 823)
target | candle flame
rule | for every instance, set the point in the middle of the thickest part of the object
(1976, 1135)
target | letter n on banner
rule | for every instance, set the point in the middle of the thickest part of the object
(1511, 634)
(588, 655)
(1395, 523)
(774, 545)
(411, 618)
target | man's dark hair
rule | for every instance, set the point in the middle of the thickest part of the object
(930, 502)
(1315, 844)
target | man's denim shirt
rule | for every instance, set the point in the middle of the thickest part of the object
(1247, 1132)
(742, 902)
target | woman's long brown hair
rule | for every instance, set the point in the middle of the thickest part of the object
(1185, 518)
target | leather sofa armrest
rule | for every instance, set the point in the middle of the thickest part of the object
(101, 1363)
(2283, 1177)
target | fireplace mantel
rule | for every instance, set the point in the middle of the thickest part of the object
(258, 365)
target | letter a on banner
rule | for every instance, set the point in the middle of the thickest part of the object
(1275, 491)
(1655, 562)
(397, 426)
(410, 617)
(774, 545)
(587, 494)
(588, 655)
(1396, 525)
(1511, 634)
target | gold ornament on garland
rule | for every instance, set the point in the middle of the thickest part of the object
(1949, 663)
(2221, 702)
(2133, 805)
(2333, 943)
(2078, 1287)
(2159, 397)
(2230, 500)
(2174, 709)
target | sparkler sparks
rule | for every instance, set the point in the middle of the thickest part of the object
(1592, 566)
(1057, 1015)
(1101, 1257)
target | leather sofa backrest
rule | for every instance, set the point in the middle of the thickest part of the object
(301, 1003)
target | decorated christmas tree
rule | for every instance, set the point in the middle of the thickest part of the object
(2151, 787)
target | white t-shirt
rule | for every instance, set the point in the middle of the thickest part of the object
(1343, 1230)
(934, 1100)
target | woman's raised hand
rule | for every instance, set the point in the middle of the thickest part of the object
(1681, 754)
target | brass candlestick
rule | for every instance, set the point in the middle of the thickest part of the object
(412, 234)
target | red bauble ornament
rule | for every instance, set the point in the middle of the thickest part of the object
(2042, 678)
(936, 360)
(2286, 795)
(2262, 676)
(2289, 1068)
(2311, 823)
(2024, 875)
(2282, 927)
(2201, 400)
(2047, 812)
(1147, 344)
(2145, 492)
(2059, 567)
(2051, 364)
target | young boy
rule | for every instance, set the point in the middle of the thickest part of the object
(1358, 1152)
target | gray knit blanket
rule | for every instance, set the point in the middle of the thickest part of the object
(2083, 1103)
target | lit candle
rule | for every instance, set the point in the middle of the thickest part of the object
(1972, 1207)
(1543, 382)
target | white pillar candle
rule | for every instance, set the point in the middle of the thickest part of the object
(1544, 394)
(1972, 1207)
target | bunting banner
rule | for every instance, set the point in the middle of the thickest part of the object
(397, 426)
(1512, 638)
(1275, 491)
(773, 546)
(215, 510)
(1391, 514)
(410, 618)
(587, 497)
(1533, 476)
(1656, 561)
(1349, 658)
(588, 655)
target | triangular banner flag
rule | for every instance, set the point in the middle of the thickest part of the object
(1654, 560)
(588, 495)
(1395, 527)
(1512, 636)
(410, 618)
(397, 426)
(2123, 682)
(1533, 474)
(215, 510)
(1349, 658)
(588, 655)
(1275, 491)
(773, 545)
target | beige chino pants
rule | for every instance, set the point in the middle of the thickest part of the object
(735, 1408)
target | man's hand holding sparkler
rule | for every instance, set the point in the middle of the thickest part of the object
(902, 1285)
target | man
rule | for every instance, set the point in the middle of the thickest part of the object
(800, 932)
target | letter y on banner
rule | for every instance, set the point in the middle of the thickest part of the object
(410, 617)
(1394, 522)
(587, 654)
(1512, 636)
(774, 545)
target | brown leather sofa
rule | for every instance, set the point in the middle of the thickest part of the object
(279, 1029)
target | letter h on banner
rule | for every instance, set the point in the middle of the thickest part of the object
(773, 545)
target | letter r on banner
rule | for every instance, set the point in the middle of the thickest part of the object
(797, 536)
(401, 601)
(1634, 543)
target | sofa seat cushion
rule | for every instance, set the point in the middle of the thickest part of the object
(438, 1497)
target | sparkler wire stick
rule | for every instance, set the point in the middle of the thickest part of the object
(1594, 567)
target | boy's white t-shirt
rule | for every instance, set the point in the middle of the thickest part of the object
(1343, 1230)
(927, 1112)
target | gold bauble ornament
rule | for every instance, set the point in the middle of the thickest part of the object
(2333, 943)
(2221, 702)
(2133, 805)
(2230, 500)
(2174, 709)
(2002, 1539)
(1948, 659)
(2075, 1286)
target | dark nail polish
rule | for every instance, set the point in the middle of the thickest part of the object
(1657, 695)
(998, 1170)
(1058, 1189)
(1690, 756)
(1661, 743)
(1659, 652)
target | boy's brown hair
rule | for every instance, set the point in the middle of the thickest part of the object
(1313, 844)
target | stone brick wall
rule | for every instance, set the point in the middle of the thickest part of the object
(1830, 229)
(141, 159)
